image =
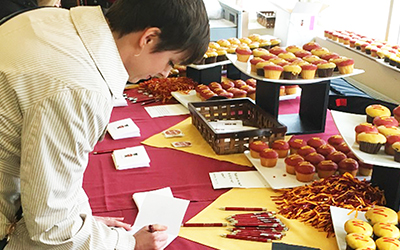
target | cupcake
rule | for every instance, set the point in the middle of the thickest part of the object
(308, 71)
(375, 110)
(237, 93)
(245, 40)
(311, 58)
(329, 56)
(232, 49)
(251, 92)
(343, 147)
(282, 91)
(326, 168)
(234, 40)
(304, 171)
(275, 42)
(225, 94)
(325, 69)
(291, 89)
(293, 48)
(268, 157)
(371, 142)
(385, 120)
(319, 52)
(382, 229)
(211, 57)
(260, 52)
(269, 57)
(336, 156)
(265, 44)
(256, 147)
(243, 53)
(272, 71)
(356, 241)
(390, 140)
(315, 142)
(387, 243)
(396, 148)
(286, 55)
(396, 113)
(381, 214)
(365, 169)
(277, 50)
(302, 53)
(348, 165)
(305, 150)
(388, 130)
(325, 149)
(224, 43)
(296, 144)
(281, 147)
(335, 140)
(214, 45)
(221, 55)
(291, 161)
(358, 226)
(214, 85)
(311, 45)
(346, 66)
(365, 127)
(291, 71)
(254, 37)
(260, 67)
(253, 63)
(254, 45)
(227, 84)
(251, 82)
(314, 158)
(206, 94)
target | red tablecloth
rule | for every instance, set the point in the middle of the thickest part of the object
(110, 191)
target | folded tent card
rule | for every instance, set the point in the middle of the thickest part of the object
(134, 157)
(121, 129)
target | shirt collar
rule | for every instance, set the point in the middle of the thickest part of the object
(96, 36)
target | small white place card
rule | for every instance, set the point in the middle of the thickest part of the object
(241, 179)
(120, 102)
(139, 197)
(166, 110)
(121, 129)
(134, 157)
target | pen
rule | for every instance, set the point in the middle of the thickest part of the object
(151, 229)
(252, 238)
(106, 151)
(204, 224)
(148, 102)
(243, 208)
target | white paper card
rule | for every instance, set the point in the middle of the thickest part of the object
(138, 198)
(134, 157)
(339, 217)
(121, 129)
(164, 210)
(166, 110)
(120, 102)
(229, 126)
(245, 179)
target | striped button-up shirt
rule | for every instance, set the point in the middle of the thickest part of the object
(59, 71)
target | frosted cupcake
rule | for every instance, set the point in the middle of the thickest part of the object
(371, 142)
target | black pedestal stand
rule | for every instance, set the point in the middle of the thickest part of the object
(388, 180)
(205, 76)
(313, 106)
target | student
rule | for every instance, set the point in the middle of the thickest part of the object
(59, 73)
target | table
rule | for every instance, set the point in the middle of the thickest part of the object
(110, 191)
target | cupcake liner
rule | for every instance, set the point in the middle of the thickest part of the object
(397, 156)
(370, 148)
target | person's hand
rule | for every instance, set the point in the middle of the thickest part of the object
(152, 237)
(114, 222)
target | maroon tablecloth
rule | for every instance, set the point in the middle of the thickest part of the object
(110, 191)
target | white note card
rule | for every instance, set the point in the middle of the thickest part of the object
(121, 129)
(166, 110)
(139, 197)
(164, 210)
(240, 179)
(133, 157)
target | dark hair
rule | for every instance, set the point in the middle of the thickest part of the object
(183, 23)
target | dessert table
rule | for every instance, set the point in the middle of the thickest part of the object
(110, 190)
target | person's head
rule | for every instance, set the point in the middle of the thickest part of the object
(148, 32)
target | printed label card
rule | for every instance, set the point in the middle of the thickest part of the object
(134, 157)
(121, 129)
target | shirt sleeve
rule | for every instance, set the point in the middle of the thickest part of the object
(57, 135)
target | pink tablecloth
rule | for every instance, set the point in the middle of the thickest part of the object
(110, 191)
